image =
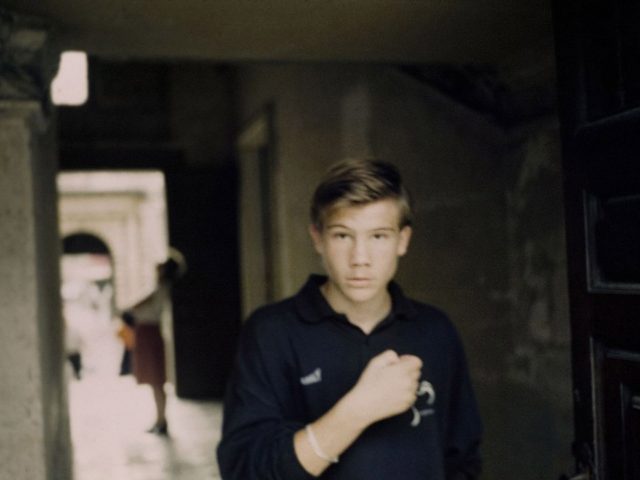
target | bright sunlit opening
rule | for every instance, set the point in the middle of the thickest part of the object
(70, 86)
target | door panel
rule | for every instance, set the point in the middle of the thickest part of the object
(597, 45)
(619, 409)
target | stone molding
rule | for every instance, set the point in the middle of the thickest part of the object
(27, 112)
(28, 62)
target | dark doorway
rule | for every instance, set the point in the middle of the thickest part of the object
(133, 121)
(83, 243)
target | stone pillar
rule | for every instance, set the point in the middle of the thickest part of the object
(34, 422)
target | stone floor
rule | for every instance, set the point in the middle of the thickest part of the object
(109, 416)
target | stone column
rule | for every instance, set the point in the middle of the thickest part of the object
(34, 422)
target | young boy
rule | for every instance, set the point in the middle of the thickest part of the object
(349, 379)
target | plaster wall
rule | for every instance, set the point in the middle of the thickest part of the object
(534, 393)
(308, 103)
(34, 423)
(479, 249)
(489, 248)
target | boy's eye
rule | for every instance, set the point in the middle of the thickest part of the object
(340, 235)
(380, 236)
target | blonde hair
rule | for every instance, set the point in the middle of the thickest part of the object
(358, 182)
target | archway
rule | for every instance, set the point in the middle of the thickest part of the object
(88, 304)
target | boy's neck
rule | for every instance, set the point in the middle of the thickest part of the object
(365, 315)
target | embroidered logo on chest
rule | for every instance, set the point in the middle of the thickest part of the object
(426, 398)
(313, 377)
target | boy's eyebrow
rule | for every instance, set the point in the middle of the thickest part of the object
(375, 229)
(336, 225)
(333, 225)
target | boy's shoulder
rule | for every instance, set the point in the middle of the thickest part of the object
(305, 304)
(271, 314)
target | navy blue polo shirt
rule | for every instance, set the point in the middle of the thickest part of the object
(298, 357)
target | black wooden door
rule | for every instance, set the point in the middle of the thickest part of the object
(598, 53)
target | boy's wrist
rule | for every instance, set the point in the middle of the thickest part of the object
(354, 412)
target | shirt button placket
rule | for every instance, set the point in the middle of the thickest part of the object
(365, 350)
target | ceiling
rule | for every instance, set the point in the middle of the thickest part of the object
(495, 32)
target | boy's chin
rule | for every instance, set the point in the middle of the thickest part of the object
(360, 294)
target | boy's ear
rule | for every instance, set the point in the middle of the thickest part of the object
(316, 237)
(405, 239)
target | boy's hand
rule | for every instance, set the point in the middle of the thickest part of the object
(387, 387)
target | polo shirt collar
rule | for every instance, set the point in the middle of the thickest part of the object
(314, 308)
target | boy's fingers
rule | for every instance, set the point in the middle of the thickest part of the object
(388, 357)
(411, 361)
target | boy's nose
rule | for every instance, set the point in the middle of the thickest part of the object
(360, 253)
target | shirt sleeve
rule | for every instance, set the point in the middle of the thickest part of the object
(464, 427)
(258, 422)
(149, 310)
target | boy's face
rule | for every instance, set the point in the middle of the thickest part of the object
(360, 247)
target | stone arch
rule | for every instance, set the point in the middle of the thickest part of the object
(83, 242)
(117, 222)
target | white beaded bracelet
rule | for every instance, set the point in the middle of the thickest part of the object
(316, 447)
